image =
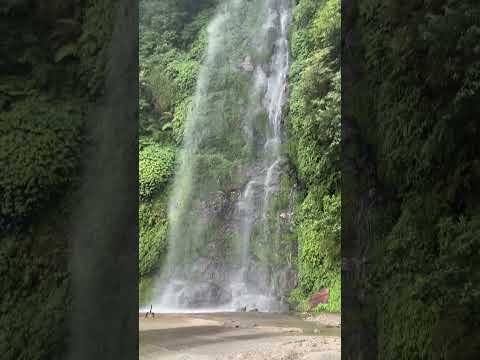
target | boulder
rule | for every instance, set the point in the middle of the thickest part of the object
(320, 297)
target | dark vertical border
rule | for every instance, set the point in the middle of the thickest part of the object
(358, 199)
(104, 319)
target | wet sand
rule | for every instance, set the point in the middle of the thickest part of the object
(242, 336)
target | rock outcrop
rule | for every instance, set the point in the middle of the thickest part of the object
(320, 297)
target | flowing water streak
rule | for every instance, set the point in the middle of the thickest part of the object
(197, 276)
(165, 293)
(274, 87)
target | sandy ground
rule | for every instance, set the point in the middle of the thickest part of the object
(326, 319)
(239, 336)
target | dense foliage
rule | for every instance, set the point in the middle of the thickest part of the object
(314, 146)
(420, 119)
(155, 166)
(172, 39)
(52, 70)
(153, 235)
(48, 80)
(41, 142)
(35, 288)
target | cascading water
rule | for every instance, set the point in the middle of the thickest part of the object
(225, 248)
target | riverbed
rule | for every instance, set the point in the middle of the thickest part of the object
(239, 336)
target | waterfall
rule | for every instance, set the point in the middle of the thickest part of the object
(224, 250)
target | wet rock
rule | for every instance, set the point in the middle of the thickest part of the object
(205, 294)
(257, 275)
(214, 204)
(246, 65)
(210, 268)
(288, 280)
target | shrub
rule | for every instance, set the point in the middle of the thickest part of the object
(156, 164)
(40, 143)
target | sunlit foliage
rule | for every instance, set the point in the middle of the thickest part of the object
(314, 146)
(172, 40)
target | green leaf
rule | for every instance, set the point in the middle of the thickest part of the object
(65, 51)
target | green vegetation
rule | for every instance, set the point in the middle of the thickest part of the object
(314, 147)
(172, 42)
(40, 152)
(416, 123)
(53, 64)
(156, 166)
(36, 288)
(172, 39)
(43, 106)
(153, 233)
